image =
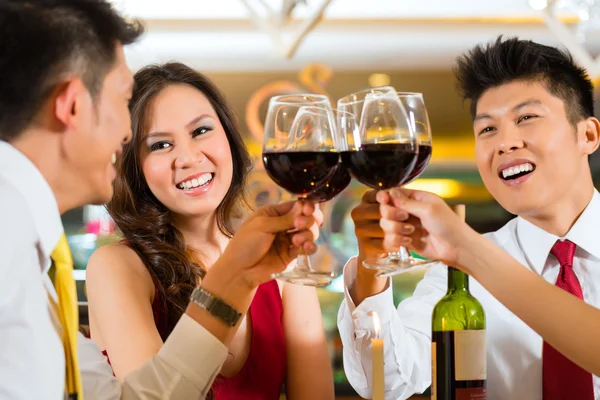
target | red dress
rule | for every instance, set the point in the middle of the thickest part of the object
(263, 375)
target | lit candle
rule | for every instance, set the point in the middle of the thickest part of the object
(377, 347)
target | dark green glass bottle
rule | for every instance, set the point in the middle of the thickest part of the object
(458, 342)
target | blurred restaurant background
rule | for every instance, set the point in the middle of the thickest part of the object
(255, 49)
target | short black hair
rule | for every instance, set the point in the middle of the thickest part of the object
(503, 61)
(44, 41)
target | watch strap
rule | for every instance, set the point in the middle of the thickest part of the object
(215, 306)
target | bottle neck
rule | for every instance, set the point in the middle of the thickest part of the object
(458, 281)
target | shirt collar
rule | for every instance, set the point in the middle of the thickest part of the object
(536, 243)
(23, 175)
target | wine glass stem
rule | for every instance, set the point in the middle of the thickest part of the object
(403, 254)
(302, 260)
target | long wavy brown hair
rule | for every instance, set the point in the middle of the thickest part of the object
(145, 223)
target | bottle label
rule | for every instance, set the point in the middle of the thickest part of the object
(471, 394)
(433, 371)
(470, 356)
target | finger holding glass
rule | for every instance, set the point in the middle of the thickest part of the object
(432, 229)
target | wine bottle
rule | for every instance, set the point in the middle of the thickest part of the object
(458, 348)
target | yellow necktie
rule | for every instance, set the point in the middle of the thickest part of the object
(68, 314)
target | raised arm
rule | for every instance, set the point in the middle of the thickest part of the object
(406, 330)
(186, 365)
(438, 233)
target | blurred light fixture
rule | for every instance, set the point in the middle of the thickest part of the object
(445, 188)
(378, 80)
(588, 12)
(538, 4)
(277, 22)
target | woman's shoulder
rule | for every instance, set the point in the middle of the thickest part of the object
(118, 263)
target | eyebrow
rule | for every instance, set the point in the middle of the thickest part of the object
(188, 125)
(198, 118)
(515, 108)
(527, 103)
(155, 134)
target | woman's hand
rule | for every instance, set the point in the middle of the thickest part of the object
(268, 241)
(432, 229)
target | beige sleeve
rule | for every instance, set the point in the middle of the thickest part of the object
(184, 368)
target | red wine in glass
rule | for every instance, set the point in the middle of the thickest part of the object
(422, 161)
(334, 185)
(300, 172)
(381, 165)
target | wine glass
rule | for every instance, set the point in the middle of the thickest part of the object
(383, 153)
(339, 178)
(414, 104)
(299, 155)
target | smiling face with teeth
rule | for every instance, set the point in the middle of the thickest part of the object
(185, 155)
(516, 171)
(530, 157)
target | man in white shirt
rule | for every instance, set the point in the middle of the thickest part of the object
(63, 119)
(534, 128)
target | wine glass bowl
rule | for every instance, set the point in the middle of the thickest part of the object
(299, 155)
(417, 113)
(302, 158)
(339, 178)
(385, 153)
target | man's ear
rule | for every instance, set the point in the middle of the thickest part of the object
(591, 138)
(73, 104)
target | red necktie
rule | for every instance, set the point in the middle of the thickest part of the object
(562, 379)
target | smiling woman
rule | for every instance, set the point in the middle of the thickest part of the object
(176, 171)
(178, 194)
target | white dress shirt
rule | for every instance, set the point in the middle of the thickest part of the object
(32, 362)
(514, 361)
